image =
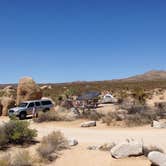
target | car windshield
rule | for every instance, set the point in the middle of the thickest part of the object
(23, 105)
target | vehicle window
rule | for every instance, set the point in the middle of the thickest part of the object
(23, 104)
(37, 104)
(31, 105)
(47, 102)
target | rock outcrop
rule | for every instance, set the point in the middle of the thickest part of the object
(157, 158)
(89, 124)
(127, 149)
(5, 104)
(28, 90)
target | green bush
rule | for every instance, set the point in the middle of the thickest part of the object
(18, 132)
(52, 143)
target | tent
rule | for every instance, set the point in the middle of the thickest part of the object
(108, 98)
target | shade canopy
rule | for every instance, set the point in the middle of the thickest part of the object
(88, 96)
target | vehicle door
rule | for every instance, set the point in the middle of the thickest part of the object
(38, 106)
(30, 108)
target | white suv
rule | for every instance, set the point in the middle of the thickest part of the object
(26, 108)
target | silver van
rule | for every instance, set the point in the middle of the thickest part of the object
(26, 108)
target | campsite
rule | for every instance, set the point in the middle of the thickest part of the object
(90, 123)
(83, 83)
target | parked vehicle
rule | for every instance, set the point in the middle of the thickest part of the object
(27, 108)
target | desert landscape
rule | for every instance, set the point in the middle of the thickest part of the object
(83, 83)
(128, 129)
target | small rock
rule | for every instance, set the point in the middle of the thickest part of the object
(127, 149)
(72, 142)
(159, 125)
(157, 158)
(93, 147)
(89, 124)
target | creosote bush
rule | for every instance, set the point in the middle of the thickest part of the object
(52, 144)
(18, 132)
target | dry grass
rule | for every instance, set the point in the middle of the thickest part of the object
(51, 145)
(22, 158)
(3, 137)
(52, 116)
(5, 160)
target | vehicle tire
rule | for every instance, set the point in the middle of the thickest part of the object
(22, 116)
(46, 110)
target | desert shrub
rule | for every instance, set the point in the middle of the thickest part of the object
(5, 160)
(147, 150)
(22, 158)
(18, 132)
(52, 143)
(161, 109)
(92, 115)
(3, 137)
(110, 117)
(139, 119)
(140, 95)
(52, 116)
(137, 108)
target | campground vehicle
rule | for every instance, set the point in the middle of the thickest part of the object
(27, 108)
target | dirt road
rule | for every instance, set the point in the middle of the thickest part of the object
(100, 135)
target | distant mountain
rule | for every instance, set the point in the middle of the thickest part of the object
(154, 75)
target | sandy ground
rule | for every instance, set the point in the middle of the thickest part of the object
(80, 156)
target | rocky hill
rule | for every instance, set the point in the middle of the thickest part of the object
(154, 75)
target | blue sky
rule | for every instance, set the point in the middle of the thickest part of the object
(62, 40)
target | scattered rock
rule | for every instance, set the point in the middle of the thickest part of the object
(157, 158)
(28, 90)
(159, 125)
(127, 149)
(93, 147)
(89, 124)
(72, 142)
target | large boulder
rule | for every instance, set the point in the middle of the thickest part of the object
(127, 149)
(9, 91)
(28, 90)
(72, 142)
(89, 124)
(157, 158)
(5, 104)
